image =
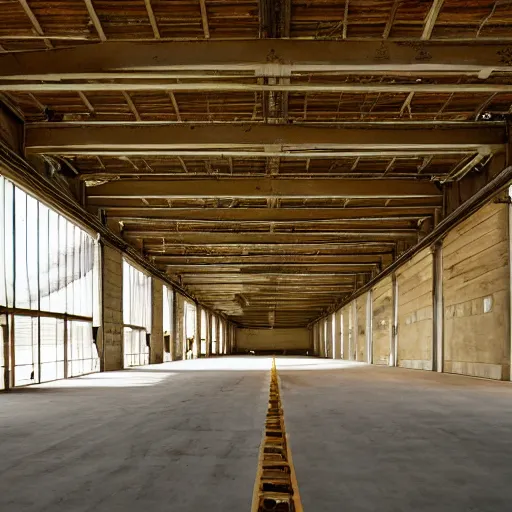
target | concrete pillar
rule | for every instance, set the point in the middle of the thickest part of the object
(198, 330)
(179, 338)
(217, 334)
(393, 352)
(369, 327)
(110, 341)
(338, 335)
(156, 352)
(438, 314)
(208, 334)
(345, 320)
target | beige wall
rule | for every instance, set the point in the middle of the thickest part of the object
(475, 288)
(415, 329)
(272, 339)
(382, 320)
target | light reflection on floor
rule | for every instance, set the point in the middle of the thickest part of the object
(153, 374)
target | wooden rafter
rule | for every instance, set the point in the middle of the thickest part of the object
(35, 23)
(175, 105)
(345, 19)
(95, 20)
(204, 18)
(132, 106)
(152, 19)
(431, 19)
(86, 102)
(391, 18)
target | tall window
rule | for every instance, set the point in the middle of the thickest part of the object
(136, 315)
(47, 291)
(190, 330)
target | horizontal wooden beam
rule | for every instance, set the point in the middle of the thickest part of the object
(129, 214)
(263, 268)
(262, 57)
(270, 238)
(263, 188)
(225, 87)
(158, 139)
(349, 259)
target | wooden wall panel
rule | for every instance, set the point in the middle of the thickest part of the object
(415, 327)
(476, 295)
(361, 301)
(382, 320)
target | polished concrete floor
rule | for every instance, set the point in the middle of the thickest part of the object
(184, 437)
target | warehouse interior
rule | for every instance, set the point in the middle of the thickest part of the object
(233, 232)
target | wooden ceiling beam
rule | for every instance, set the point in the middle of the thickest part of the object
(267, 214)
(349, 259)
(294, 139)
(209, 237)
(264, 57)
(263, 188)
(283, 85)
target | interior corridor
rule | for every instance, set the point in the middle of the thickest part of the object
(185, 436)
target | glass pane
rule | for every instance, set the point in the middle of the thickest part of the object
(26, 362)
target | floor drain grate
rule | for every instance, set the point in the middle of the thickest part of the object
(276, 486)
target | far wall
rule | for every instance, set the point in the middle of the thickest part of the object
(272, 339)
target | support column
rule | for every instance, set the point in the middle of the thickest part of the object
(198, 330)
(338, 335)
(393, 351)
(208, 334)
(438, 316)
(156, 353)
(369, 327)
(217, 335)
(111, 339)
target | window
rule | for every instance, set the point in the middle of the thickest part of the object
(47, 275)
(136, 315)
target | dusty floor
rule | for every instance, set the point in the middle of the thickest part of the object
(388, 439)
(184, 437)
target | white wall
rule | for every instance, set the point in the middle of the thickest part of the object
(272, 339)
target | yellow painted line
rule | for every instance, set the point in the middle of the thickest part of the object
(275, 487)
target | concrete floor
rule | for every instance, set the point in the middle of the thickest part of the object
(371, 438)
(184, 436)
(180, 436)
